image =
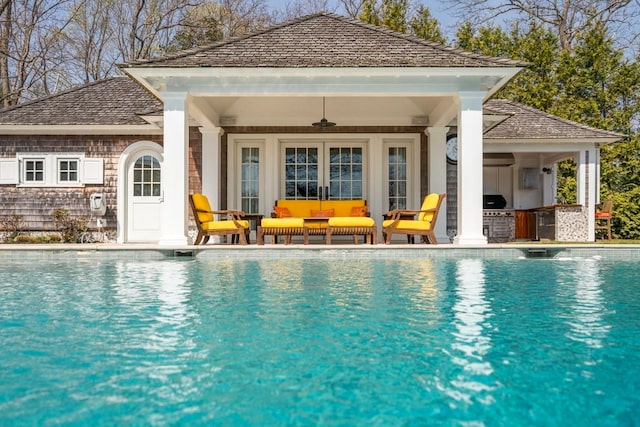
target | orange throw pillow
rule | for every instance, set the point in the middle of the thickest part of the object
(359, 211)
(322, 214)
(282, 212)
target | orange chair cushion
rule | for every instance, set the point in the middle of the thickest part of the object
(603, 215)
(359, 211)
(322, 213)
(282, 212)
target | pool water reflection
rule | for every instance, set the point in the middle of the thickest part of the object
(332, 342)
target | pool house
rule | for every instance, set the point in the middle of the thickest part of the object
(318, 107)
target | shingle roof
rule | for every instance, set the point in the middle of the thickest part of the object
(112, 101)
(528, 123)
(325, 40)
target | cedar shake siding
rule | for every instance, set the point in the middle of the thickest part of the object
(36, 204)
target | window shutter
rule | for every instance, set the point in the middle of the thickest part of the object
(9, 171)
(93, 171)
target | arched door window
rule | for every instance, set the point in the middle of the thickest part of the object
(146, 177)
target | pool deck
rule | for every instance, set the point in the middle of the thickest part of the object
(268, 251)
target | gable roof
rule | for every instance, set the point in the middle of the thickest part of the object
(527, 123)
(325, 40)
(112, 101)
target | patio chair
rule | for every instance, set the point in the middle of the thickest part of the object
(603, 218)
(422, 226)
(208, 225)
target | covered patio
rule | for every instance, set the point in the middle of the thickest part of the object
(383, 89)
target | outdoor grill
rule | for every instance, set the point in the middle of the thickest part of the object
(499, 224)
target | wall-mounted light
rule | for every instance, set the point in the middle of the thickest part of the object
(547, 170)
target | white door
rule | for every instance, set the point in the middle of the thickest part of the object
(323, 170)
(145, 198)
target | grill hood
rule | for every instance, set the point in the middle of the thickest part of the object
(498, 159)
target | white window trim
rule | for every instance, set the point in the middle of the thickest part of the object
(52, 169)
(23, 170)
(413, 169)
(234, 195)
(59, 170)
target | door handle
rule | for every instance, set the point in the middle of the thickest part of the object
(320, 193)
(326, 193)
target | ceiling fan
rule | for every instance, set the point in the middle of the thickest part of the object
(323, 123)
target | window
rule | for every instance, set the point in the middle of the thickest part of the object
(34, 171)
(397, 177)
(250, 179)
(146, 177)
(68, 170)
(51, 170)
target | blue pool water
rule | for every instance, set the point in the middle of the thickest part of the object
(320, 342)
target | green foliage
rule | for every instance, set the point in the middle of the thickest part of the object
(199, 28)
(369, 13)
(590, 83)
(394, 14)
(425, 26)
(70, 228)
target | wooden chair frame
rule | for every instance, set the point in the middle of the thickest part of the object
(233, 215)
(396, 215)
(603, 218)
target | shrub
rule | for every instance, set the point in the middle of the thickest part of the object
(13, 225)
(70, 228)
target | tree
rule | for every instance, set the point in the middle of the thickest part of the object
(30, 34)
(210, 22)
(425, 26)
(200, 27)
(394, 14)
(88, 40)
(566, 18)
(145, 26)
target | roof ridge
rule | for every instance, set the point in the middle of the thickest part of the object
(340, 18)
(64, 92)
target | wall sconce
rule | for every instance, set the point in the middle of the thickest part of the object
(547, 170)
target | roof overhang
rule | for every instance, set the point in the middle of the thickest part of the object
(391, 81)
(80, 130)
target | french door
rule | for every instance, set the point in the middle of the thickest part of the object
(325, 170)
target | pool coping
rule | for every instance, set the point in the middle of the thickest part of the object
(394, 251)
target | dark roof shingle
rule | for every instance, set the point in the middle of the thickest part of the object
(112, 101)
(528, 123)
(325, 40)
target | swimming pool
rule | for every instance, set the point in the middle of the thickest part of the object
(320, 342)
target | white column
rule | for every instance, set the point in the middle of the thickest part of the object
(587, 186)
(210, 173)
(438, 175)
(175, 173)
(470, 170)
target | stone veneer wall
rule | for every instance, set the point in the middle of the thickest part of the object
(572, 224)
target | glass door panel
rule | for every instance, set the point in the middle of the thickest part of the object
(301, 173)
(397, 160)
(345, 173)
(323, 170)
(250, 179)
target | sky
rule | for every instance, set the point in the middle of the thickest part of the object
(437, 9)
